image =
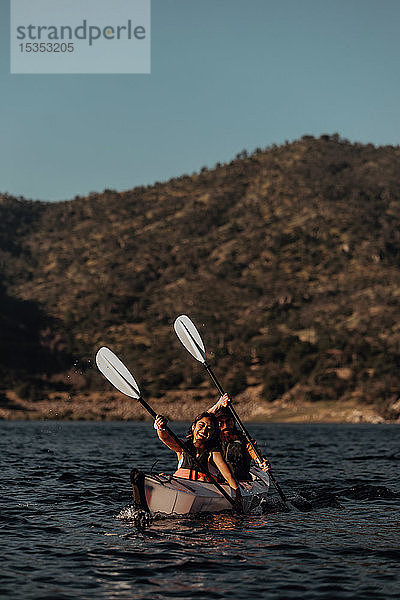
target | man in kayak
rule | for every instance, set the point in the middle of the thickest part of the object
(201, 442)
(236, 450)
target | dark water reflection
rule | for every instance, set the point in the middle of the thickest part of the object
(64, 484)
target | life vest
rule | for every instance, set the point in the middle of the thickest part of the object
(187, 469)
(236, 455)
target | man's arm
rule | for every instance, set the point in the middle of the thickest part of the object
(263, 464)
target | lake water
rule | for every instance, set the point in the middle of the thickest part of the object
(65, 498)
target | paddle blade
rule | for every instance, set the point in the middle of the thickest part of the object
(190, 337)
(116, 372)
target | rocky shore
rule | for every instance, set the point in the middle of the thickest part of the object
(182, 406)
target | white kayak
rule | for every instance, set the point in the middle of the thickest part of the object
(170, 495)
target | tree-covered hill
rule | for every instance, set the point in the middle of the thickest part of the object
(288, 260)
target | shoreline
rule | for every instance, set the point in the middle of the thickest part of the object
(183, 406)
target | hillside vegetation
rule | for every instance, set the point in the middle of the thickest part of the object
(288, 260)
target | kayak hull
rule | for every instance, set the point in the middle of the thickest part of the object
(169, 495)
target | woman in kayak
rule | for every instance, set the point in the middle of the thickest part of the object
(236, 450)
(201, 442)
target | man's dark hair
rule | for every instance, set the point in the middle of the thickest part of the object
(224, 413)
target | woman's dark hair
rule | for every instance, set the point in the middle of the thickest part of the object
(214, 438)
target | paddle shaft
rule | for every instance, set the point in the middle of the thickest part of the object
(242, 427)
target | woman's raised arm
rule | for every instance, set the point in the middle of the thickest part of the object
(160, 424)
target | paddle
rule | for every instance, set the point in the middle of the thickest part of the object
(190, 338)
(116, 372)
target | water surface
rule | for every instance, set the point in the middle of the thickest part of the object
(65, 499)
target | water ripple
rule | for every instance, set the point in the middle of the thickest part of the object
(71, 531)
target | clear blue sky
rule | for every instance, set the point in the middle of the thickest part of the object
(227, 75)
